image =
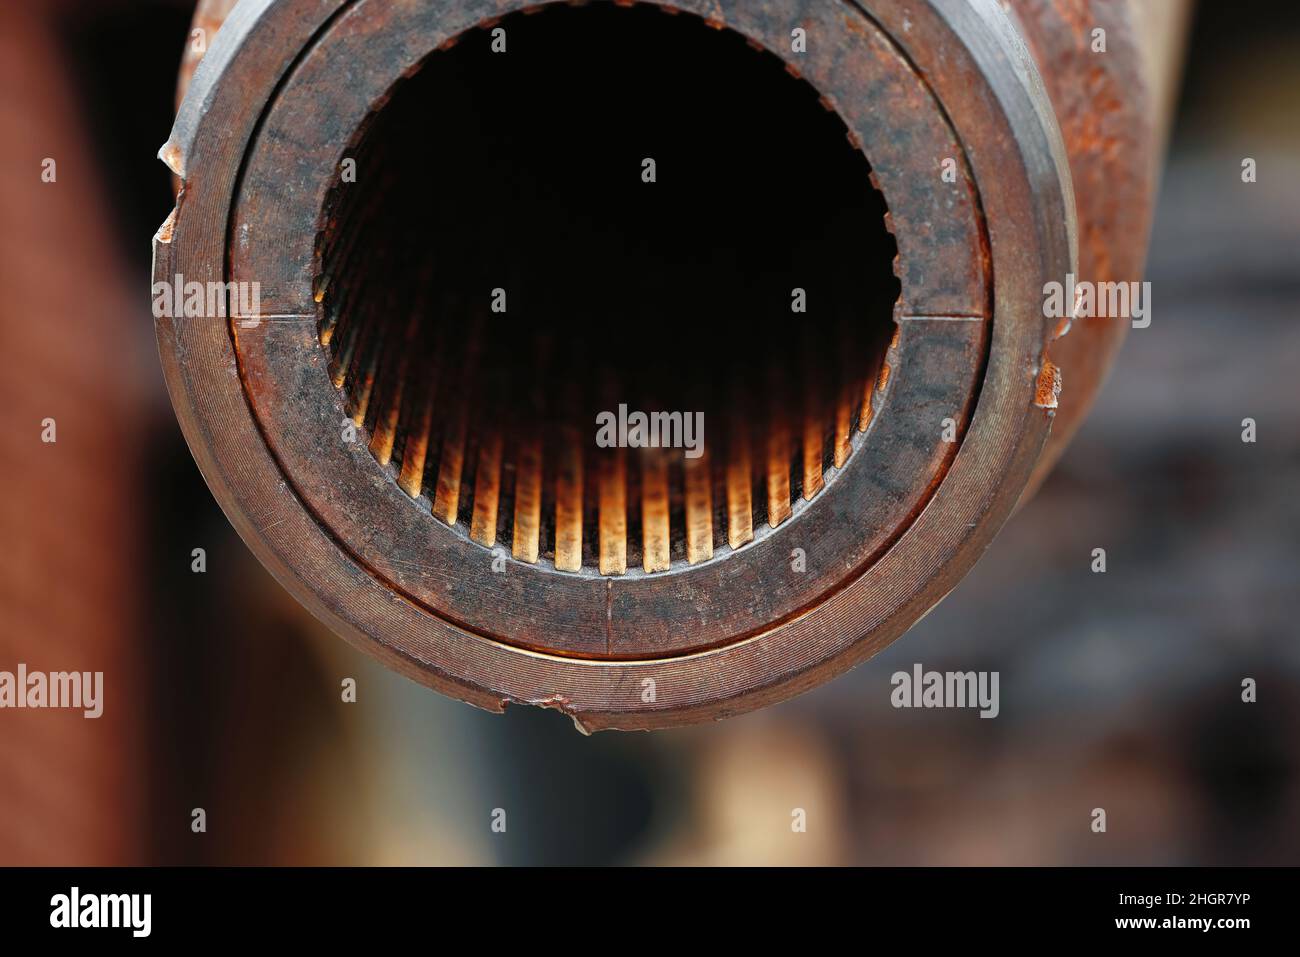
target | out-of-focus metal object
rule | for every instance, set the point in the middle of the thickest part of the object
(473, 533)
(71, 787)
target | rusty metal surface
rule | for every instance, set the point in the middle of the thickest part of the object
(209, 15)
(591, 616)
(258, 142)
(1112, 116)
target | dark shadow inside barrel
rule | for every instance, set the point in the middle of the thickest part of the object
(616, 210)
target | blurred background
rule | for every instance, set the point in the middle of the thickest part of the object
(1120, 690)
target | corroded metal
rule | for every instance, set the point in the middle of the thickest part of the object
(922, 465)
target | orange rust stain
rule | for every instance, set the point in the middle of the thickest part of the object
(1049, 385)
(164, 234)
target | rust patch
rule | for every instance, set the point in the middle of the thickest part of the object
(1049, 385)
(165, 231)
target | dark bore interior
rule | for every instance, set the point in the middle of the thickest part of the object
(524, 171)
